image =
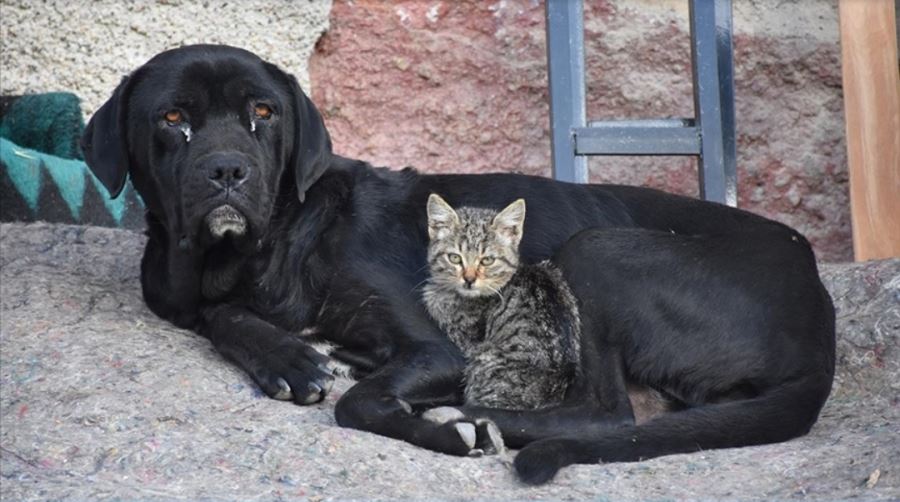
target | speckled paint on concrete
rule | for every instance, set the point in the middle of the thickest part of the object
(101, 400)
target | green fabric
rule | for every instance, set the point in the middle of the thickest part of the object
(50, 123)
(42, 174)
(31, 173)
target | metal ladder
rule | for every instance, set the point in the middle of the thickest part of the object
(709, 136)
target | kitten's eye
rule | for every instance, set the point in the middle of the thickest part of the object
(174, 117)
(454, 258)
(487, 261)
(262, 111)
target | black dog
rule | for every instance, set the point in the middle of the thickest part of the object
(257, 232)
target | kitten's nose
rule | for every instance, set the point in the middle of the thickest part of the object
(469, 276)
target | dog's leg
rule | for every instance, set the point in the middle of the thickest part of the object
(170, 279)
(426, 376)
(284, 367)
(781, 413)
(384, 332)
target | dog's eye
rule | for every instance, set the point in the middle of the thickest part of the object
(262, 111)
(174, 117)
(487, 261)
(454, 258)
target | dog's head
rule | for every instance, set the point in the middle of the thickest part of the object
(212, 136)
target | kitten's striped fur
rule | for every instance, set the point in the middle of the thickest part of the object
(517, 325)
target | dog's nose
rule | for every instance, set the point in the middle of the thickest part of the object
(227, 171)
(229, 175)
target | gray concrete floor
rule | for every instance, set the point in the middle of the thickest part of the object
(101, 400)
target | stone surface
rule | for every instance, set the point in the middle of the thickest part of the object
(87, 47)
(462, 87)
(101, 400)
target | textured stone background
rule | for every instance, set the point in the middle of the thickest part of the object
(452, 86)
(100, 400)
(87, 46)
(461, 85)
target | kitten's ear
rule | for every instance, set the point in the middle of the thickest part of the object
(440, 215)
(509, 222)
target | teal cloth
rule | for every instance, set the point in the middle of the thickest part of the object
(28, 175)
(42, 176)
(50, 123)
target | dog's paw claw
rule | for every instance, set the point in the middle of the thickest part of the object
(316, 393)
(467, 433)
(284, 393)
(406, 406)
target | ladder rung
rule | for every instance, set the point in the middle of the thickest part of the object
(638, 137)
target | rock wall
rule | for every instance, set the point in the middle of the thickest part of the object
(86, 47)
(461, 86)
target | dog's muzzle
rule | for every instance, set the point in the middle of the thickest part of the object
(225, 219)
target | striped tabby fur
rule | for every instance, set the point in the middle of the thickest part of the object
(517, 325)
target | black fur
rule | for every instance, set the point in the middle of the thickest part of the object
(735, 326)
(719, 308)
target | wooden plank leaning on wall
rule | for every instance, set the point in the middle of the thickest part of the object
(872, 110)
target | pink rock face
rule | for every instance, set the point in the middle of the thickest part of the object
(461, 86)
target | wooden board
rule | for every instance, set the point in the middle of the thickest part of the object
(872, 110)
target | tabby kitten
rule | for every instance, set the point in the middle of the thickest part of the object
(517, 325)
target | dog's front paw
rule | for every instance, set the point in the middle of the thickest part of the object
(293, 371)
(481, 436)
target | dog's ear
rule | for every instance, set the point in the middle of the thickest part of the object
(312, 144)
(104, 141)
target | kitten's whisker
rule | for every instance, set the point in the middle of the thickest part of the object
(423, 281)
(499, 295)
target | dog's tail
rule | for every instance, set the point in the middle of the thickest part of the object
(781, 413)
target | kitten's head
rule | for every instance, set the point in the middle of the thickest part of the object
(473, 251)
